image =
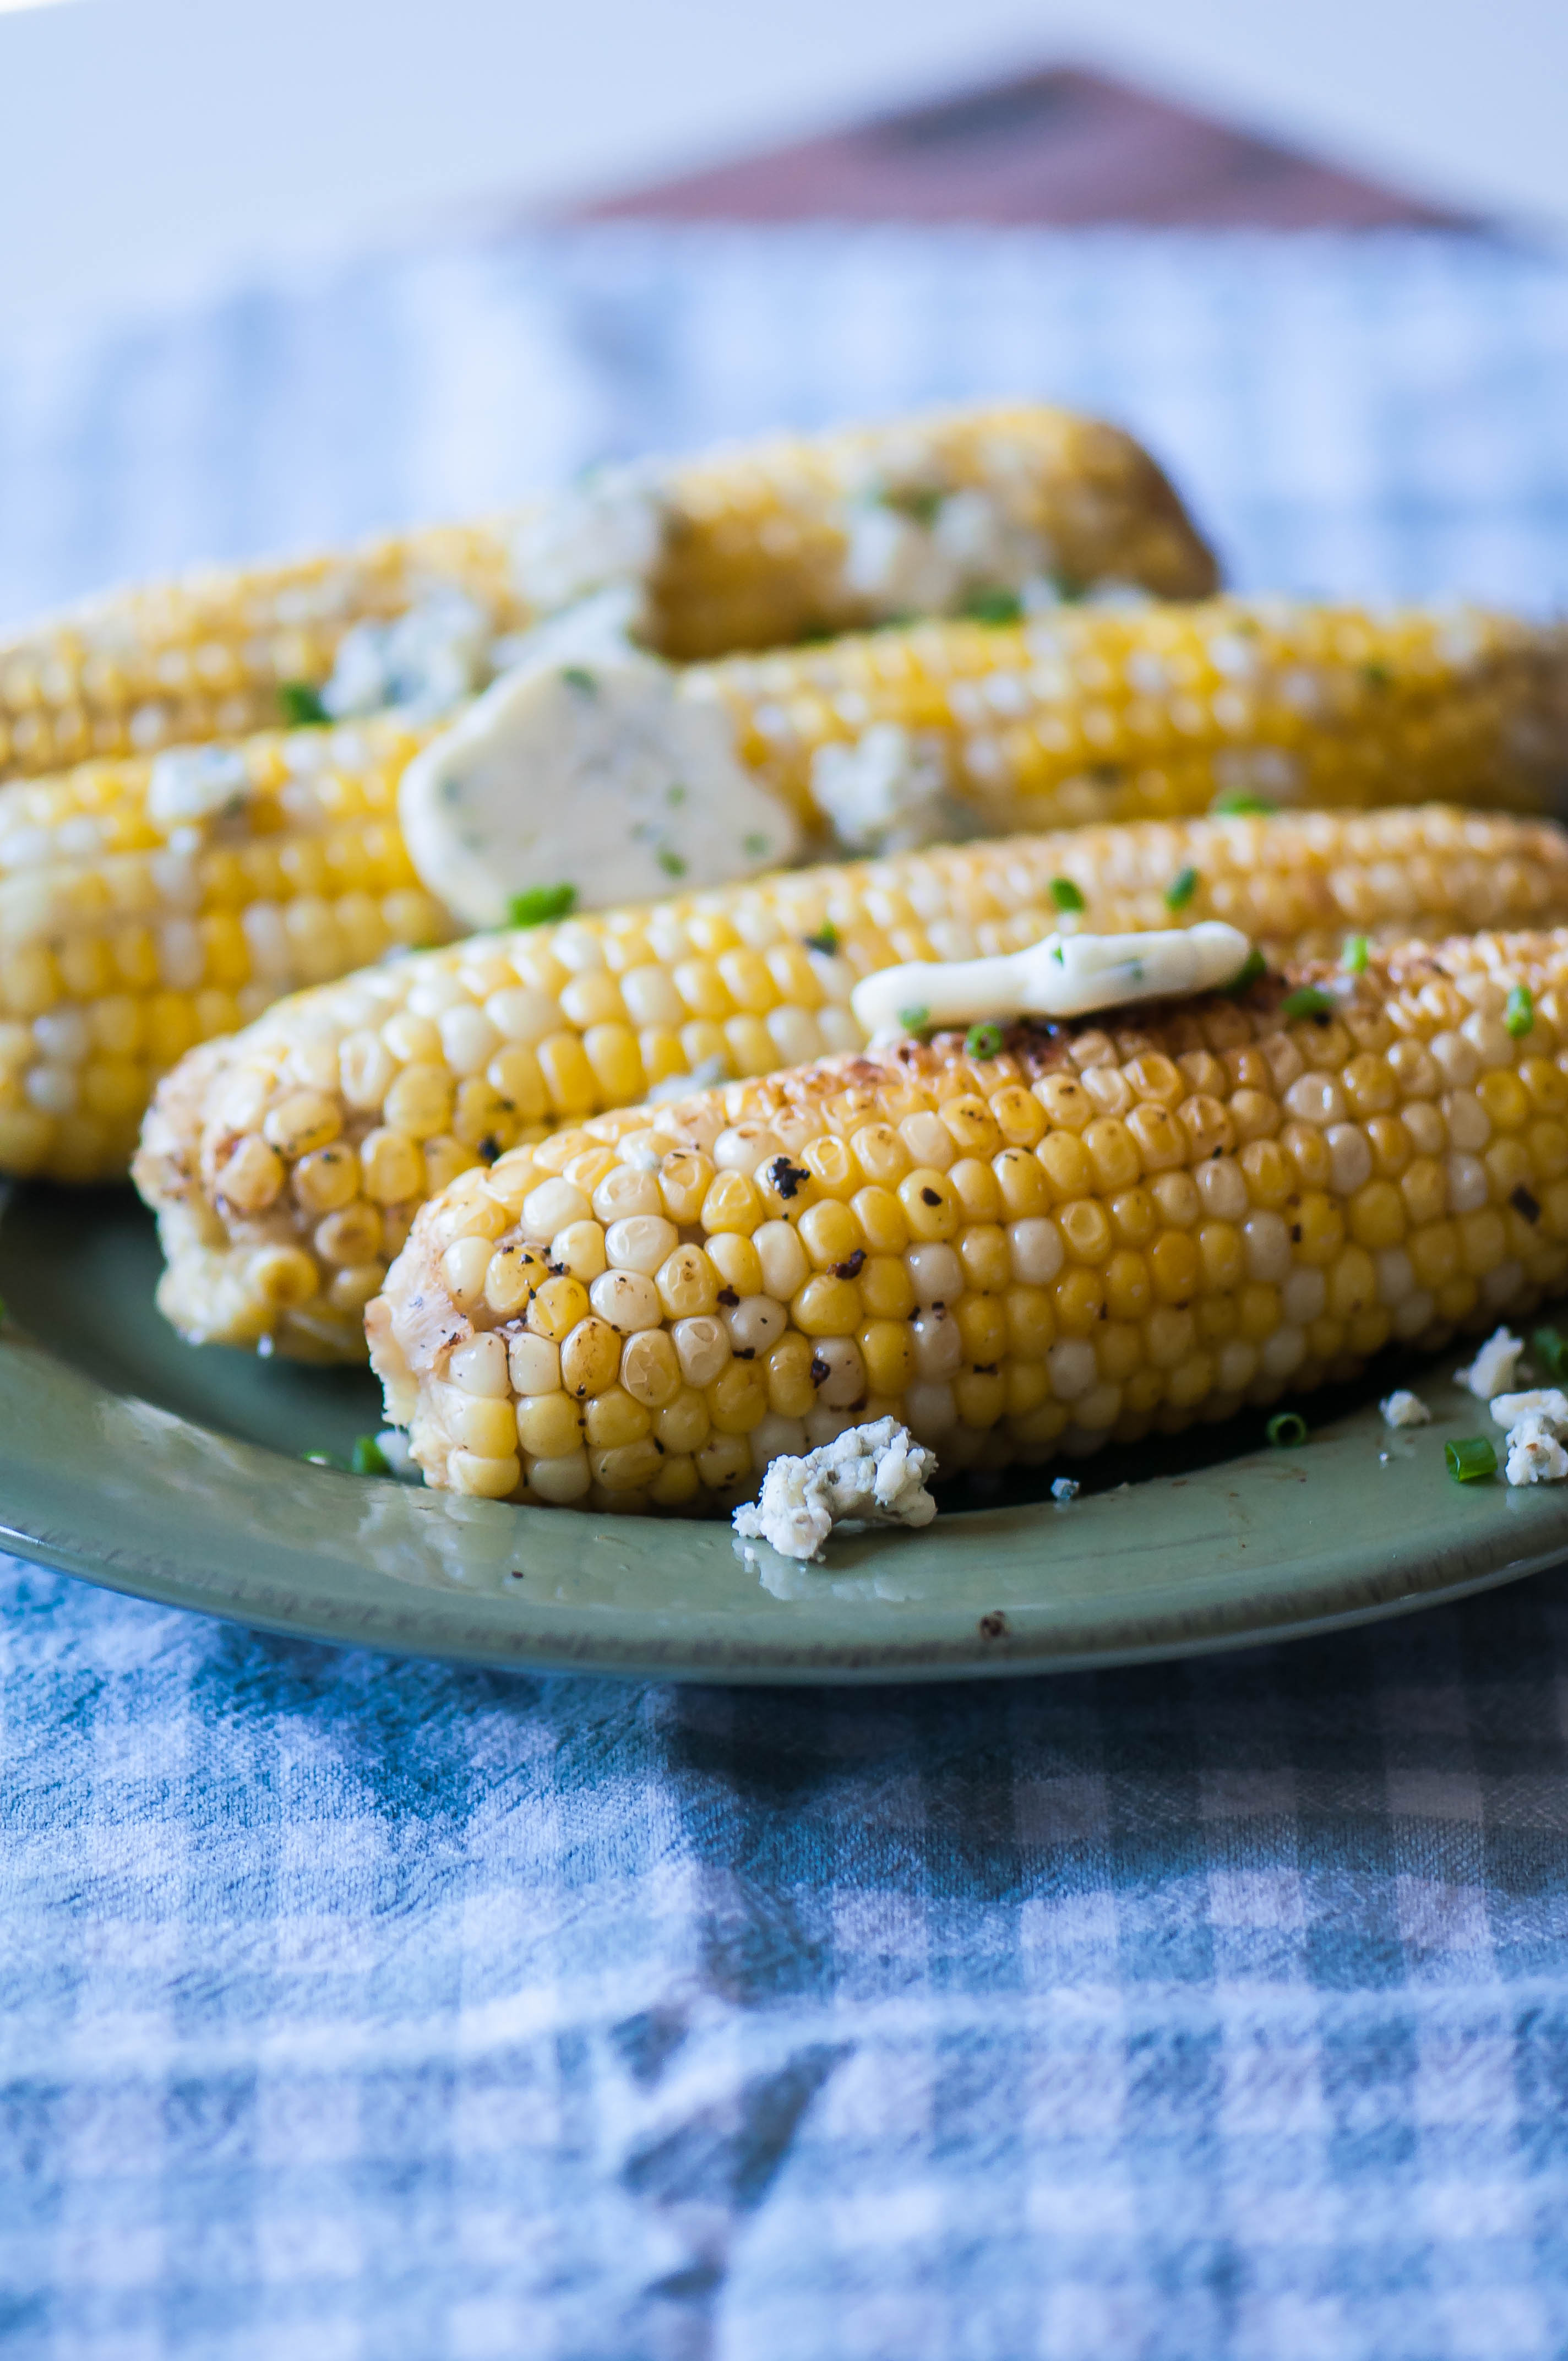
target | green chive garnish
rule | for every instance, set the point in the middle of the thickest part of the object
(577, 677)
(302, 704)
(1238, 804)
(755, 846)
(1306, 1001)
(1252, 967)
(1519, 1016)
(1376, 675)
(983, 1041)
(992, 606)
(1182, 889)
(368, 1458)
(1286, 1430)
(1470, 1461)
(671, 862)
(1065, 894)
(825, 939)
(1357, 952)
(914, 1020)
(540, 904)
(913, 501)
(1552, 1351)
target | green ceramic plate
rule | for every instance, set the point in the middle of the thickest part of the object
(130, 1458)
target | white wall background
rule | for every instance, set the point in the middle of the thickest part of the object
(148, 147)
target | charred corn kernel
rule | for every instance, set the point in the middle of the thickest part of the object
(1054, 1331)
(1291, 880)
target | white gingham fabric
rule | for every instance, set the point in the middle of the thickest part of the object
(1207, 2011)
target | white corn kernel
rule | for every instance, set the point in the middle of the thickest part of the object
(702, 1346)
(480, 1368)
(938, 1277)
(551, 1206)
(642, 1242)
(562, 1480)
(534, 1363)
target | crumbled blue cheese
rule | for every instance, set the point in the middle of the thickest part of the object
(193, 784)
(393, 1445)
(1537, 1421)
(1403, 1408)
(886, 791)
(1548, 1403)
(606, 532)
(1063, 975)
(1492, 1371)
(598, 776)
(1535, 1455)
(915, 547)
(424, 661)
(875, 1474)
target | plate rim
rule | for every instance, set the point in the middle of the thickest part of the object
(268, 1587)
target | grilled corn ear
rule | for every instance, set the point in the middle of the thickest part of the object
(146, 906)
(1109, 1227)
(741, 548)
(286, 1163)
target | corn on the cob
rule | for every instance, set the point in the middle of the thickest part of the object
(127, 933)
(751, 547)
(191, 923)
(1109, 1227)
(209, 655)
(1107, 713)
(287, 1163)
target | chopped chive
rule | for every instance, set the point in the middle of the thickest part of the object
(754, 845)
(1065, 894)
(671, 862)
(1286, 1430)
(920, 506)
(1182, 889)
(914, 1020)
(983, 1041)
(675, 795)
(1238, 804)
(1519, 1016)
(1552, 1351)
(302, 704)
(1376, 675)
(540, 904)
(1252, 967)
(1357, 952)
(825, 939)
(368, 1458)
(1472, 1461)
(992, 606)
(578, 677)
(1306, 1001)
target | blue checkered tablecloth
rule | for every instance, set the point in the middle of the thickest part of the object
(1209, 2012)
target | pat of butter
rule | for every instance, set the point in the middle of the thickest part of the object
(1063, 975)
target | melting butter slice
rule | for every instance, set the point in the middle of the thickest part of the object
(1063, 975)
(585, 766)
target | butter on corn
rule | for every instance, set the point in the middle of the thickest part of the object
(286, 1164)
(945, 729)
(146, 906)
(746, 548)
(1105, 1229)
